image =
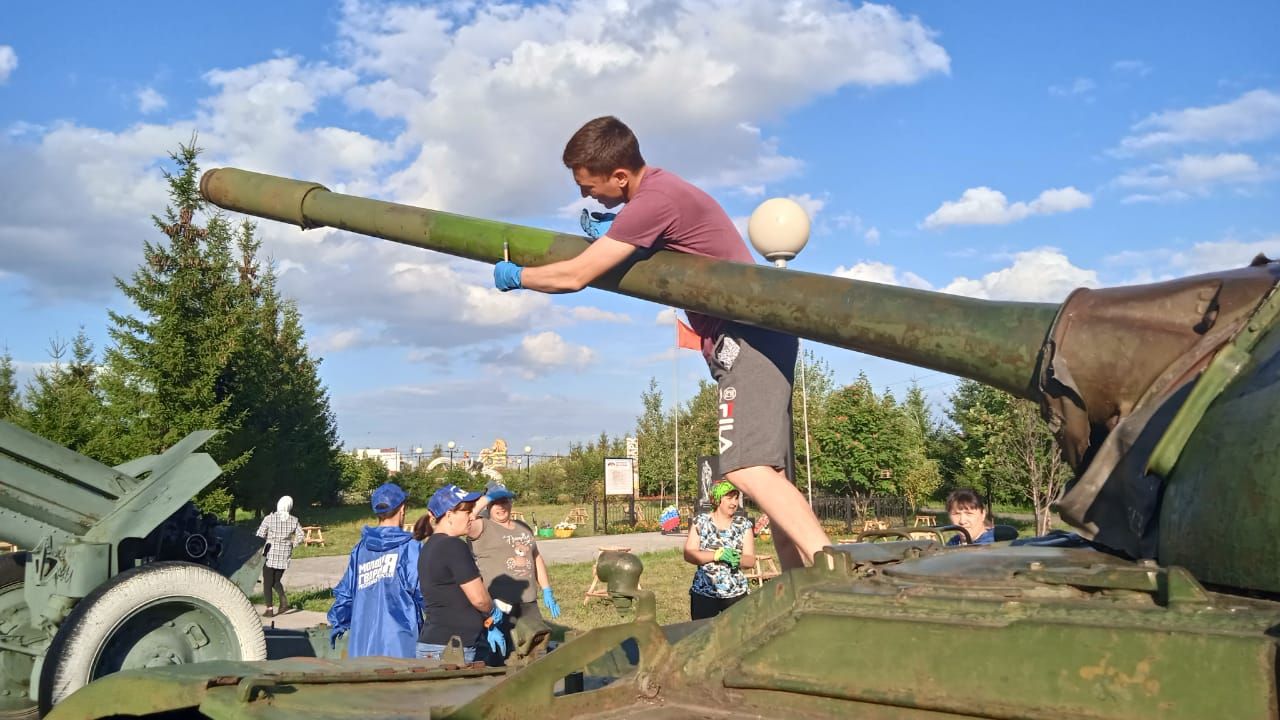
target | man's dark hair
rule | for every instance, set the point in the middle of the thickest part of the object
(602, 146)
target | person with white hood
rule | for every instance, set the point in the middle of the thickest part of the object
(283, 533)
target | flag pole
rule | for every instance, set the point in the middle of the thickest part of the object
(675, 405)
(804, 404)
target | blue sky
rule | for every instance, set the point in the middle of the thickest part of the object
(999, 150)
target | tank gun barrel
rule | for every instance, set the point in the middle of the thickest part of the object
(997, 343)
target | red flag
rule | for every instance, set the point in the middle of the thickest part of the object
(686, 337)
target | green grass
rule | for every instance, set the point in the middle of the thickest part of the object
(665, 573)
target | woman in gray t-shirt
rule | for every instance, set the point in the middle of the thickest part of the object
(508, 557)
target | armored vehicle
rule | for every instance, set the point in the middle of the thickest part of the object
(1163, 398)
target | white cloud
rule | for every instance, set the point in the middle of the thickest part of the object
(810, 204)
(1189, 175)
(545, 352)
(665, 316)
(339, 340)
(1039, 275)
(885, 274)
(1201, 257)
(1254, 115)
(1132, 67)
(451, 76)
(8, 62)
(985, 206)
(587, 313)
(457, 79)
(1079, 86)
(872, 236)
(150, 101)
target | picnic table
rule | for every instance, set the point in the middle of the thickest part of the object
(766, 569)
(314, 535)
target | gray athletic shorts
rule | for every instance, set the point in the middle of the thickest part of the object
(755, 370)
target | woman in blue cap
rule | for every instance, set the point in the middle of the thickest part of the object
(456, 599)
(720, 544)
(378, 598)
(508, 558)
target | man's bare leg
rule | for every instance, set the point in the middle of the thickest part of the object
(788, 554)
(800, 533)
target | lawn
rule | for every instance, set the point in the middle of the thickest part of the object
(665, 573)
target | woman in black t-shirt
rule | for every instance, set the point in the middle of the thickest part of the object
(457, 602)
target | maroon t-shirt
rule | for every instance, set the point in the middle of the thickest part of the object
(667, 212)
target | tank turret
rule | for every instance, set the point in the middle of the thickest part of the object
(1162, 396)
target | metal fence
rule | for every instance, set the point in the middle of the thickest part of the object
(850, 512)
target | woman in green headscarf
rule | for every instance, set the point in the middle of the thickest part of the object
(720, 544)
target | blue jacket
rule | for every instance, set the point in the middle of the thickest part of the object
(988, 536)
(378, 599)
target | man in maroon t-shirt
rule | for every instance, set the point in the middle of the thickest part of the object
(754, 368)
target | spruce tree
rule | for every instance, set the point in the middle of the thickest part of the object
(64, 403)
(172, 368)
(288, 422)
(10, 400)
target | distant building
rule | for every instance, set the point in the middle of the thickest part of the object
(387, 456)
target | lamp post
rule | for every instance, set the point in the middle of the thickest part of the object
(527, 450)
(779, 230)
(451, 446)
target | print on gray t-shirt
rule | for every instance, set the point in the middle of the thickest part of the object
(505, 558)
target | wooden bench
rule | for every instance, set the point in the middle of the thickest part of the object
(599, 589)
(577, 516)
(766, 569)
(314, 535)
(875, 525)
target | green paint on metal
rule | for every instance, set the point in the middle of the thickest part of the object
(995, 342)
(1224, 367)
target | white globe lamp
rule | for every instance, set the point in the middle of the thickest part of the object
(778, 229)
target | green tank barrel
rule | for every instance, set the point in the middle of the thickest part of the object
(993, 342)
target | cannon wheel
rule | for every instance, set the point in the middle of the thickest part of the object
(15, 668)
(164, 613)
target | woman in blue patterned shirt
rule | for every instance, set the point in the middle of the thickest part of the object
(720, 545)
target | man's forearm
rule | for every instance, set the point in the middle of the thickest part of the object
(558, 277)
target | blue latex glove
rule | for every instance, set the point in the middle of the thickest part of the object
(595, 224)
(550, 601)
(334, 634)
(497, 641)
(506, 276)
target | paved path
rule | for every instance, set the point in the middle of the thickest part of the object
(325, 572)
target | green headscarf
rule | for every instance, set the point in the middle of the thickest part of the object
(719, 490)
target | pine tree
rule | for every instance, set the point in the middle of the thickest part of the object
(10, 400)
(64, 403)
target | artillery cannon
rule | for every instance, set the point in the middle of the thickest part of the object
(121, 572)
(1162, 398)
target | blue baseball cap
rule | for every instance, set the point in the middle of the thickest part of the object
(448, 498)
(387, 497)
(500, 493)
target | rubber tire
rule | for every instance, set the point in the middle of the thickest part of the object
(13, 573)
(71, 660)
